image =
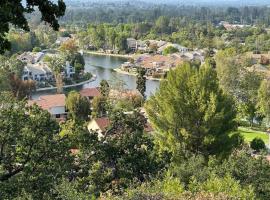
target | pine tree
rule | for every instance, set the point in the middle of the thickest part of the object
(191, 113)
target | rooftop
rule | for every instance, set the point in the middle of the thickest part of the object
(166, 61)
(103, 123)
(90, 92)
(47, 102)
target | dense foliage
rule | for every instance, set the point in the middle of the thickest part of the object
(13, 12)
(171, 110)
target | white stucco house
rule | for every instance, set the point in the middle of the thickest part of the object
(69, 70)
(37, 72)
(54, 104)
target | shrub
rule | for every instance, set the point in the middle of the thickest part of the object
(257, 144)
(170, 50)
(36, 49)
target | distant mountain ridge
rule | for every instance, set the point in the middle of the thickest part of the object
(183, 2)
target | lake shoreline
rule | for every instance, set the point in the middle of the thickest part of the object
(127, 56)
(68, 86)
(118, 70)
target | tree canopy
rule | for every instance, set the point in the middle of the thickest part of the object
(191, 113)
(33, 155)
(13, 12)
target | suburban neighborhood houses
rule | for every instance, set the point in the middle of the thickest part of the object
(157, 64)
(41, 72)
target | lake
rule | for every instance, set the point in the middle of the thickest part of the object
(102, 66)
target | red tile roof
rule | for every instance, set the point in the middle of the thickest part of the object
(103, 123)
(90, 92)
(148, 128)
(47, 102)
(148, 62)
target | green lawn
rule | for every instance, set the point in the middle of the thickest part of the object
(249, 134)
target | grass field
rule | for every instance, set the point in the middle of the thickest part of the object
(250, 134)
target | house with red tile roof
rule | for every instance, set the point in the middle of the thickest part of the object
(100, 125)
(54, 104)
(90, 93)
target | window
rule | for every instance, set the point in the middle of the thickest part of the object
(57, 116)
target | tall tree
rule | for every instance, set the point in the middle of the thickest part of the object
(78, 106)
(100, 107)
(104, 88)
(263, 100)
(13, 12)
(141, 81)
(191, 113)
(11, 71)
(57, 66)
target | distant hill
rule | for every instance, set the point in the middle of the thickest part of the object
(184, 2)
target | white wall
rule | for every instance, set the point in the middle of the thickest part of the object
(57, 110)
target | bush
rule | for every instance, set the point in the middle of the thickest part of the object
(36, 49)
(257, 144)
(170, 50)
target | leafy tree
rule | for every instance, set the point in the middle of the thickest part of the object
(69, 47)
(78, 62)
(36, 49)
(11, 71)
(104, 88)
(57, 66)
(162, 24)
(171, 188)
(128, 152)
(78, 106)
(263, 99)
(239, 82)
(67, 190)
(226, 187)
(170, 50)
(13, 12)
(100, 107)
(33, 155)
(243, 168)
(121, 42)
(191, 113)
(257, 144)
(141, 81)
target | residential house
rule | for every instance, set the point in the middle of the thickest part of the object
(132, 44)
(69, 70)
(61, 40)
(230, 27)
(180, 48)
(38, 72)
(100, 125)
(159, 63)
(90, 93)
(31, 57)
(191, 55)
(129, 67)
(263, 59)
(125, 94)
(54, 104)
